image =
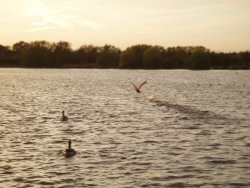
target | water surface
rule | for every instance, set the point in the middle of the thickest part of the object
(186, 128)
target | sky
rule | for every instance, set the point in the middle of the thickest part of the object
(219, 25)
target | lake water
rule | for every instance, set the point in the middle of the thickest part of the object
(186, 128)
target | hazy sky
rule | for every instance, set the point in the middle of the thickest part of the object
(220, 25)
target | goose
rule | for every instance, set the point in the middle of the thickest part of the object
(137, 89)
(63, 117)
(69, 152)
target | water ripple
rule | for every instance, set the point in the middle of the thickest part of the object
(193, 130)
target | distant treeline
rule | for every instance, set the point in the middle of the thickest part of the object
(43, 54)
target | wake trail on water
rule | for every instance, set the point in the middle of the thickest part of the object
(192, 112)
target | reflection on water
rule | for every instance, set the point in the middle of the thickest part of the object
(186, 128)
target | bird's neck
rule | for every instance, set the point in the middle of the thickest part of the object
(69, 144)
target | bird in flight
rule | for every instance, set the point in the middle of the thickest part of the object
(138, 89)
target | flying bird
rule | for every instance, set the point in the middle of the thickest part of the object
(138, 89)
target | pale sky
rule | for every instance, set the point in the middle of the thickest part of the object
(220, 25)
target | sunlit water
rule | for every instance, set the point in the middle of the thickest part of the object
(186, 128)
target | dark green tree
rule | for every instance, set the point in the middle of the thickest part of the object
(108, 56)
(245, 59)
(7, 57)
(89, 53)
(19, 47)
(200, 59)
(154, 57)
(132, 57)
(177, 57)
(5, 51)
(61, 53)
(37, 54)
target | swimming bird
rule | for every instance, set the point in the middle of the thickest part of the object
(63, 117)
(69, 152)
(138, 89)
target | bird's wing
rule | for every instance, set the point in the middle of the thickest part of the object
(142, 84)
(134, 86)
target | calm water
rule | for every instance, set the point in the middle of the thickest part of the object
(186, 128)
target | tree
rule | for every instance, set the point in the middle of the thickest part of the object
(200, 60)
(88, 54)
(132, 57)
(5, 51)
(154, 57)
(7, 57)
(177, 56)
(61, 53)
(108, 56)
(37, 54)
(19, 47)
(245, 59)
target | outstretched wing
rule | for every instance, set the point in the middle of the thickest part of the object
(134, 86)
(142, 84)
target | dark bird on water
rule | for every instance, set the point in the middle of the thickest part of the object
(63, 117)
(138, 89)
(69, 152)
